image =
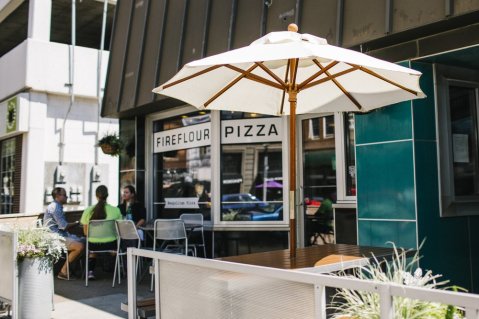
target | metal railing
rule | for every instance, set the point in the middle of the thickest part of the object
(188, 287)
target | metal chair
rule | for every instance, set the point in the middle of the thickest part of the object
(195, 219)
(98, 228)
(126, 231)
(170, 230)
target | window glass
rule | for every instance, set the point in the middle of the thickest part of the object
(251, 173)
(319, 177)
(457, 134)
(181, 160)
(349, 152)
(464, 130)
(128, 155)
(7, 172)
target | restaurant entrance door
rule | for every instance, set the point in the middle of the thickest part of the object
(318, 178)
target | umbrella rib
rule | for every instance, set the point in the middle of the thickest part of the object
(330, 77)
(284, 91)
(370, 72)
(254, 77)
(226, 88)
(211, 68)
(274, 76)
(314, 76)
(350, 97)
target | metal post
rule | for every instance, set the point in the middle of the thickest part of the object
(131, 271)
(386, 307)
(320, 301)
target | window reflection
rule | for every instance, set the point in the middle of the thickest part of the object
(464, 130)
(251, 175)
(319, 178)
(350, 156)
(182, 172)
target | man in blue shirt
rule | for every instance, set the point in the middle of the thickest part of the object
(54, 219)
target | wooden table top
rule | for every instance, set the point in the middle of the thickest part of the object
(308, 256)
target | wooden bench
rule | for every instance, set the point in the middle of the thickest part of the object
(144, 308)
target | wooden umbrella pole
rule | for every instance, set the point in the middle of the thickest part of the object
(292, 98)
(292, 173)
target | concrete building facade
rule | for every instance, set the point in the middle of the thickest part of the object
(49, 104)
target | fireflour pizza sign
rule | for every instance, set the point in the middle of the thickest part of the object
(181, 138)
(252, 131)
(232, 132)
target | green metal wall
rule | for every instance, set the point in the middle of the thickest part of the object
(398, 192)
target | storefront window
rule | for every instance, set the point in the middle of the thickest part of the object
(181, 160)
(7, 173)
(251, 168)
(464, 132)
(319, 178)
(350, 156)
(128, 154)
(458, 131)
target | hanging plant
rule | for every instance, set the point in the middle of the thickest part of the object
(111, 144)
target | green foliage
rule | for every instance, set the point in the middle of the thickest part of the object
(402, 270)
(40, 243)
(113, 142)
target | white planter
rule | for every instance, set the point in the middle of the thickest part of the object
(35, 288)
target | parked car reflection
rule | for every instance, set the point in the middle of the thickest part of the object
(263, 215)
(247, 207)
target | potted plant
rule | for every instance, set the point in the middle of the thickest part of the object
(111, 144)
(37, 250)
(402, 270)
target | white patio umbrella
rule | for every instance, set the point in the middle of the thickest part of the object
(315, 76)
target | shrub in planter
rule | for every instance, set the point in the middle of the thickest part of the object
(402, 270)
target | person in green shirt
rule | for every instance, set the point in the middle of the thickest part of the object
(102, 210)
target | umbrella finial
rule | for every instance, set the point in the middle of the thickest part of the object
(293, 27)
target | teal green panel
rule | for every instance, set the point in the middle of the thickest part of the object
(447, 249)
(474, 226)
(380, 233)
(424, 109)
(385, 181)
(386, 124)
(427, 196)
(443, 236)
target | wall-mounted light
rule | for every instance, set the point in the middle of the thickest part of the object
(96, 174)
(60, 175)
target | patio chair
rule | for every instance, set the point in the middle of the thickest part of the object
(170, 231)
(98, 228)
(127, 234)
(196, 220)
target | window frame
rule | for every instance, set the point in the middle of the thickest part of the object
(451, 205)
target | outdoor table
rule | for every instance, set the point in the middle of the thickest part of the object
(306, 257)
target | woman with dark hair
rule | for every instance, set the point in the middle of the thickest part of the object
(131, 208)
(102, 210)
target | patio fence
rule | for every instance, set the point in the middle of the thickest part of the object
(188, 287)
(8, 270)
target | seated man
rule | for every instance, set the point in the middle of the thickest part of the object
(54, 219)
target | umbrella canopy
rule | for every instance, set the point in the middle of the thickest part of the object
(314, 77)
(270, 184)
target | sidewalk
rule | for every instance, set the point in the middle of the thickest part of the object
(99, 300)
